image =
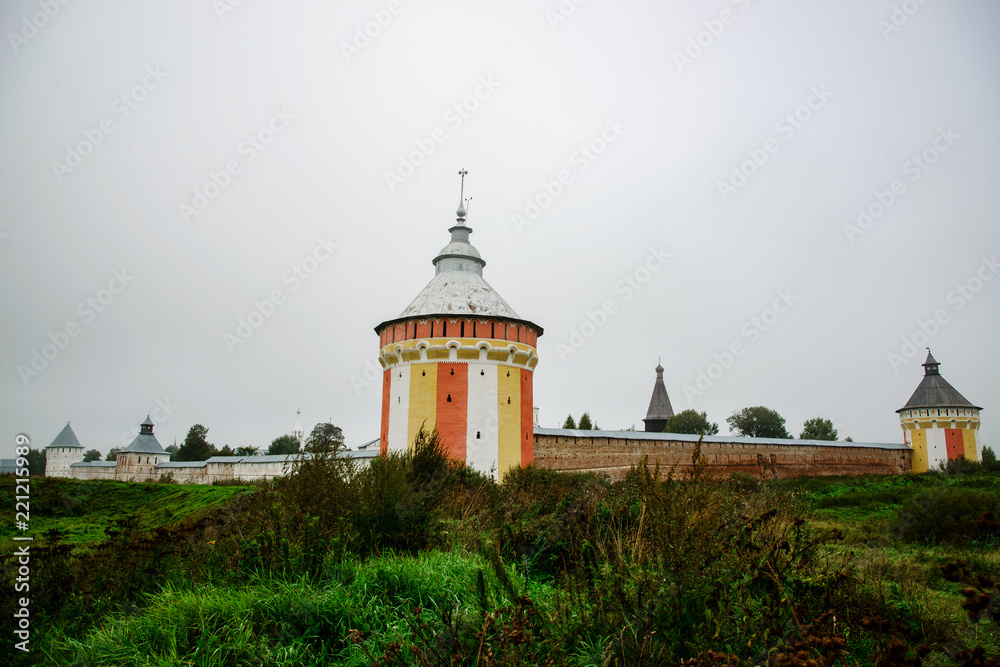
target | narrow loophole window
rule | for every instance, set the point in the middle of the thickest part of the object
(449, 398)
(508, 400)
(478, 435)
(482, 372)
(452, 371)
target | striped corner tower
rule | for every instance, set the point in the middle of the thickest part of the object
(460, 359)
(939, 423)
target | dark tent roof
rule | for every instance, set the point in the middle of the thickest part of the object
(659, 403)
(145, 442)
(935, 392)
(66, 438)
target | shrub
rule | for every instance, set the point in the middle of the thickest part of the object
(943, 514)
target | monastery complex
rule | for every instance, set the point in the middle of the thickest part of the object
(461, 360)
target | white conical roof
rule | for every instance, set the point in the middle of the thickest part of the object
(458, 292)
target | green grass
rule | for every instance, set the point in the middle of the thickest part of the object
(280, 584)
(83, 509)
(298, 622)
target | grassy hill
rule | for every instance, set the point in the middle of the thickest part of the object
(83, 510)
(415, 561)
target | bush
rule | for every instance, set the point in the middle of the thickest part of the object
(943, 515)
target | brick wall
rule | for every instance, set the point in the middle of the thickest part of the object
(614, 452)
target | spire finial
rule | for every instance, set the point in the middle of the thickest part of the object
(462, 211)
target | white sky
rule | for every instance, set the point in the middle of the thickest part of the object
(679, 128)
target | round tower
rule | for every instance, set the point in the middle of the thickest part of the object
(64, 451)
(939, 423)
(460, 359)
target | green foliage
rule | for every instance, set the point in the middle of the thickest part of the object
(417, 560)
(172, 449)
(758, 422)
(570, 422)
(585, 424)
(225, 451)
(91, 455)
(284, 444)
(691, 422)
(990, 463)
(324, 438)
(818, 428)
(944, 515)
(36, 462)
(247, 450)
(112, 454)
(196, 446)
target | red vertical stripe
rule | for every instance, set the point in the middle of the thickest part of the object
(954, 442)
(527, 419)
(452, 416)
(386, 384)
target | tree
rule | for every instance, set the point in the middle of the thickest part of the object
(171, 449)
(112, 454)
(247, 450)
(225, 451)
(691, 422)
(91, 455)
(196, 446)
(818, 429)
(758, 422)
(569, 422)
(990, 460)
(284, 444)
(585, 423)
(324, 438)
(36, 462)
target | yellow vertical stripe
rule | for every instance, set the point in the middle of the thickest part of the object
(969, 440)
(919, 439)
(423, 400)
(509, 412)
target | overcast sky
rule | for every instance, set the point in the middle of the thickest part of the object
(649, 180)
